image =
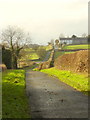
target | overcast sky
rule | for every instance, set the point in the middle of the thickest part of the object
(45, 19)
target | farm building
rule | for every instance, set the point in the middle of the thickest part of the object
(77, 40)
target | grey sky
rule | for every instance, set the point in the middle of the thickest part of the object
(46, 19)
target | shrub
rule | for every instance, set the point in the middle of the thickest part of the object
(6, 57)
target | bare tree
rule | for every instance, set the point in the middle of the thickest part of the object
(84, 35)
(52, 43)
(74, 36)
(41, 52)
(15, 39)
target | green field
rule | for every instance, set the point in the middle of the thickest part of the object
(28, 54)
(71, 47)
(77, 81)
(77, 47)
(48, 47)
(31, 54)
(14, 102)
(59, 53)
(69, 52)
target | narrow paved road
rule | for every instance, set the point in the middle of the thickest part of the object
(51, 98)
(45, 59)
(47, 56)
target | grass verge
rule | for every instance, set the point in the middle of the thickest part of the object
(59, 53)
(77, 47)
(79, 82)
(14, 100)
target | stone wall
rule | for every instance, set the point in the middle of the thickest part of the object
(47, 64)
(3, 67)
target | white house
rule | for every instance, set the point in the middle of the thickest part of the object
(76, 41)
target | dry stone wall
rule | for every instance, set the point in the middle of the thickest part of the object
(47, 64)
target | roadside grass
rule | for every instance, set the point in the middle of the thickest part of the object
(75, 80)
(14, 100)
(77, 47)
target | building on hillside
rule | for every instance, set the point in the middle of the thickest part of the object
(74, 41)
(66, 40)
(80, 40)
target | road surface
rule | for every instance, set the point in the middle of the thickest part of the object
(51, 98)
(45, 59)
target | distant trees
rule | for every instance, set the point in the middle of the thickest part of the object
(57, 41)
(51, 43)
(35, 47)
(41, 52)
(15, 40)
(6, 57)
(84, 35)
(74, 36)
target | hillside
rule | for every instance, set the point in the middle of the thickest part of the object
(76, 62)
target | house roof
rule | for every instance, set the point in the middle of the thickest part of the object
(65, 38)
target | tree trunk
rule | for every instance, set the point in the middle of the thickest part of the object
(15, 55)
(12, 61)
(15, 63)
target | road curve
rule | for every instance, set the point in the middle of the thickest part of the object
(51, 98)
(45, 59)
